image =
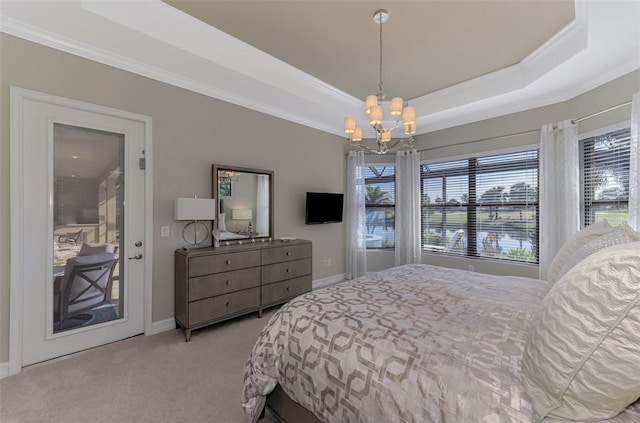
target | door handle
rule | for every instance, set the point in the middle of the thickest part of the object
(136, 257)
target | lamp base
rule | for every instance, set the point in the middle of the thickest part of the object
(195, 233)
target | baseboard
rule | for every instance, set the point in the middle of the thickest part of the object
(163, 326)
(4, 369)
(325, 282)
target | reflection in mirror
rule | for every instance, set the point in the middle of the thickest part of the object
(245, 202)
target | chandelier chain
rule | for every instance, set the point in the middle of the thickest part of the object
(380, 82)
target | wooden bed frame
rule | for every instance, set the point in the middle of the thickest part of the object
(287, 410)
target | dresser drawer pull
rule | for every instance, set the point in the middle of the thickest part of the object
(287, 270)
(228, 283)
(228, 261)
(288, 253)
(227, 304)
(287, 288)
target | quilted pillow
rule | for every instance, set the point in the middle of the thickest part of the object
(580, 360)
(587, 234)
(620, 234)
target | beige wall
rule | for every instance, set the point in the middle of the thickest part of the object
(190, 133)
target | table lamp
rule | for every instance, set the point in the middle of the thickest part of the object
(195, 209)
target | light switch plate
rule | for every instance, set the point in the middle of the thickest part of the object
(164, 231)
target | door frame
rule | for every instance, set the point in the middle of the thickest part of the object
(17, 156)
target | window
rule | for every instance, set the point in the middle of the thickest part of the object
(380, 200)
(605, 177)
(484, 207)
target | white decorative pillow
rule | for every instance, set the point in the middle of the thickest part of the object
(222, 222)
(621, 234)
(581, 360)
(576, 241)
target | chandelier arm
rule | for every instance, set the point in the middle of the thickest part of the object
(401, 141)
(365, 148)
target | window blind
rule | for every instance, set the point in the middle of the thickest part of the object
(484, 207)
(605, 177)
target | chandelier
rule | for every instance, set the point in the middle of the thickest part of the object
(400, 113)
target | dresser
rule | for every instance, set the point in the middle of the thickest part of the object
(216, 284)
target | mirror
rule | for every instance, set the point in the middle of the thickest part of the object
(245, 202)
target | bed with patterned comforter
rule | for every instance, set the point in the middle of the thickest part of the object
(415, 343)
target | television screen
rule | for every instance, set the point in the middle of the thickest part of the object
(323, 208)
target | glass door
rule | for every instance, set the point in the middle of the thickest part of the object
(87, 208)
(82, 225)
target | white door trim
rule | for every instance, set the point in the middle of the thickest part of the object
(17, 154)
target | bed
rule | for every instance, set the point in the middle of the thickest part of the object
(415, 343)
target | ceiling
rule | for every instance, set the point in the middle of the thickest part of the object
(427, 46)
(313, 62)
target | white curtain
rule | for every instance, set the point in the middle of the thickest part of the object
(262, 207)
(356, 216)
(559, 189)
(634, 169)
(407, 229)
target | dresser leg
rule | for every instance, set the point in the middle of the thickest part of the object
(187, 335)
(259, 313)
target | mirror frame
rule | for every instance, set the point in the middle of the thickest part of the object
(270, 173)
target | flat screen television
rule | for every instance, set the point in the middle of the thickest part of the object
(323, 207)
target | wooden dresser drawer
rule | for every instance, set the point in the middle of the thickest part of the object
(283, 291)
(205, 265)
(287, 270)
(223, 283)
(218, 307)
(216, 284)
(286, 253)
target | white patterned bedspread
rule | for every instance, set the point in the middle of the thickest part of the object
(415, 343)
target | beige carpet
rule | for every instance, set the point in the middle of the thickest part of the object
(158, 378)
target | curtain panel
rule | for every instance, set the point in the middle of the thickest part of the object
(407, 210)
(356, 216)
(559, 189)
(634, 170)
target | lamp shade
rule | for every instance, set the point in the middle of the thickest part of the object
(385, 136)
(241, 214)
(408, 115)
(375, 116)
(409, 129)
(396, 106)
(194, 209)
(372, 100)
(349, 124)
(357, 135)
